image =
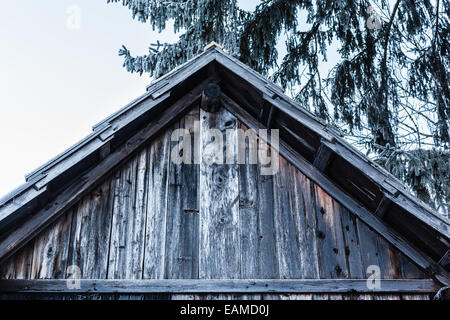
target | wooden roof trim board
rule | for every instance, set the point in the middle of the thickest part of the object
(218, 286)
(158, 94)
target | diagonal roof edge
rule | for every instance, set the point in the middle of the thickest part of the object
(159, 92)
(275, 95)
(153, 91)
(334, 138)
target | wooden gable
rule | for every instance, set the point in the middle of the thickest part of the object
(153, 219)
(134, 222)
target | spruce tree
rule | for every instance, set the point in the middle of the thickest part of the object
(389, 92)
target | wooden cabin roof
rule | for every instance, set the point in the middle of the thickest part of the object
(315, 148)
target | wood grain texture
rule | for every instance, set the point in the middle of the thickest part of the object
(153, 219)
(286, 223)
(220, 255)
(224, 286)
(390, 234)
(374, 252)
(352, 245)
(78, 297)
(90, 232)
(18, 266)
(155, 231)
(249, 214)
(307, 225)
(181, 246)
(122, 263)
(268, 261)
(331, 248)
(51, 251)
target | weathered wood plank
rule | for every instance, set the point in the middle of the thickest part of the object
(373, 252)
(249, 214)
(18, 266)
(219, 197)
(248, 219)
(182, 205)
(224, 286)
(76, 254)
(90, 232)
(268, 262)
(51, 250)
(391, 260)
(100, 223)
(127, 233)
(120, 264)
(305, 204)
(140, 208)
(93, 239)
(331, 246)
(286, 224)
(155, 233)
(352, 245)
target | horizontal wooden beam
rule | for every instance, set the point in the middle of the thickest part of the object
(392, 236)
(89, 180)
(219, 286)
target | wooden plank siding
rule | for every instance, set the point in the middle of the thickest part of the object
(153, 219)
(182, 242)
(220, 286)
(117, 296)
(219, 198)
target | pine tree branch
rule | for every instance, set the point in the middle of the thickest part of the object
(387, 34)
(388, 31)
(436, 32)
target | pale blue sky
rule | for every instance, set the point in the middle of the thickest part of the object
(55, 82)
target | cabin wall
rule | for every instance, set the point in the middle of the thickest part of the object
(154, 219)
(115, 296)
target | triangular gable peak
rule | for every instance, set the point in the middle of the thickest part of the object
(316, 150)
(153, 218)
